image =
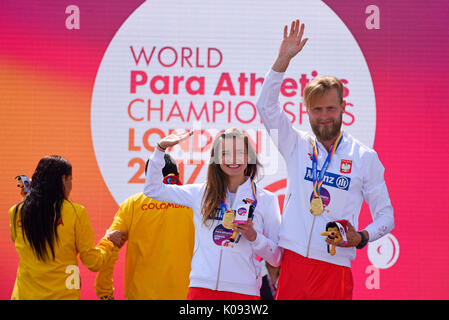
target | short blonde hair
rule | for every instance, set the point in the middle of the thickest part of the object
(319, 86)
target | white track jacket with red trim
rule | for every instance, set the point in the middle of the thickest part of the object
(217, 263)
(355, 174)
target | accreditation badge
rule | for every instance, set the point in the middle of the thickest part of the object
(221, 235)
(242, 214)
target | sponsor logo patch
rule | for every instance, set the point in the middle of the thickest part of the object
(331, 179)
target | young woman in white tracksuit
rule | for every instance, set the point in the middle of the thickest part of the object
(224, 264)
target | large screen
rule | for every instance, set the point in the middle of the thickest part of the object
(100, 82)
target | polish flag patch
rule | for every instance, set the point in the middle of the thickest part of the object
(346, 166)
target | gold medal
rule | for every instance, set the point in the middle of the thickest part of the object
(316, 206)
(228, 219)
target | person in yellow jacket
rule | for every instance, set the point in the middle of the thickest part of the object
(159, 250)
(49, 232)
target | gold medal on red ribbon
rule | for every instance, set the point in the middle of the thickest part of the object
(316, 206)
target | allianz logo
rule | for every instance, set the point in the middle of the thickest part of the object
(331, 179)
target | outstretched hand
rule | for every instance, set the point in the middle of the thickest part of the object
(291, 45)
(174, 139)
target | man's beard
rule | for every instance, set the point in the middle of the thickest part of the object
(326, 133)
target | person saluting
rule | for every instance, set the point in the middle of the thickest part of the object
(224, 263)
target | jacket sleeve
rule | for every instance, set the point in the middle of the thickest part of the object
(12, 223)
(104, 283)
(93, 257)
(156, 189)
(273, 117)
(266, 244)
(376, 195)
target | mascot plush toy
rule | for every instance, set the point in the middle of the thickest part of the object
(335, 231)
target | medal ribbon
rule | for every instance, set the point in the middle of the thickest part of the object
(318, 181)
(253, 187)
(223, 202)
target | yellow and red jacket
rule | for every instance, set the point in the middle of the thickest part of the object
(59, 278)
(159, 250)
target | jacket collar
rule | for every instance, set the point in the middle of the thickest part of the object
(243, 191)
(322, 149)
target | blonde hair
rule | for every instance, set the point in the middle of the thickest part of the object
(319, 86)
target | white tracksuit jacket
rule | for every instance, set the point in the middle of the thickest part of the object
(225, 266)
(355, 174)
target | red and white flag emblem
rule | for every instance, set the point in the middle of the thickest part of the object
(346, 166)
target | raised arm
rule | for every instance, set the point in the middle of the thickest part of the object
(273, 117)
(291, 45)
(154, 186)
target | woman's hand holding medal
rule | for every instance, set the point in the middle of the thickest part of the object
(247, 230)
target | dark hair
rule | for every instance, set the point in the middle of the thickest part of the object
(41, 209)
(170, 166)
